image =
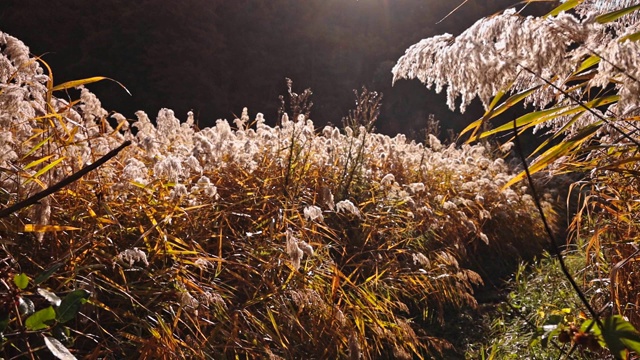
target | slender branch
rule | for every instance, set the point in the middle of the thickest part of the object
(554, 244)
(64, 182)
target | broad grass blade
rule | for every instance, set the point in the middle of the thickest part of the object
(615, 15)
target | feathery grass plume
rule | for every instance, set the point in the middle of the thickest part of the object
(293, 250)
(347, 206)
(489, 57)
(313, 213)
(131, 256)
(562, 50)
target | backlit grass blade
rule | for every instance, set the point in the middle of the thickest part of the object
(45, 169)
(587, 63)
(615, 15)
(71, 136)
(487, 115)
(37, 146)
(49, 84)
(558, 134)
(48, 228)
(512, 100)
(538, 117)
(75, 83)
(617, 164)
(38, 161)
(276, 328)
(567, 5)
(633, 37)
(564, 148)
(473, 126)
(528, 120)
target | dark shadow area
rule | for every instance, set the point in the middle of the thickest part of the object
(215, 57)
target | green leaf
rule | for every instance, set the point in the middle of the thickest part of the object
(557, 134)
(70, 305)
(38, 320)
(615, 15)
(633, 37)
(527, 121)
(587, 63)
(57, 349)
(618, 334)
(476, 125)
(35, 148)
(578, 111)
(37, 162)
(42, 277)
(495, 100)
(492, 113)
(21, 281)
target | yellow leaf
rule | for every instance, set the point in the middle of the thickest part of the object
(492, 113)
(589, 62)
(44, 169)
(38, 146)
(633, 37)
(48, 228)
(582, 315)
(106, 221)
(528, 120)
(564, 148)
(37, 161)
(75, 83)
(567, 5)
(612, 16)
(274, 323)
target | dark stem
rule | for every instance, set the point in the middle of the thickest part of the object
(64, 182)
(554, 245)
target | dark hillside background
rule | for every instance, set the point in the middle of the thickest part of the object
(217, 56)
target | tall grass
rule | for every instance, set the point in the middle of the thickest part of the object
(577, 67)
(231, 242)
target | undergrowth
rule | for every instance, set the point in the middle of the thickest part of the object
(539, 317)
